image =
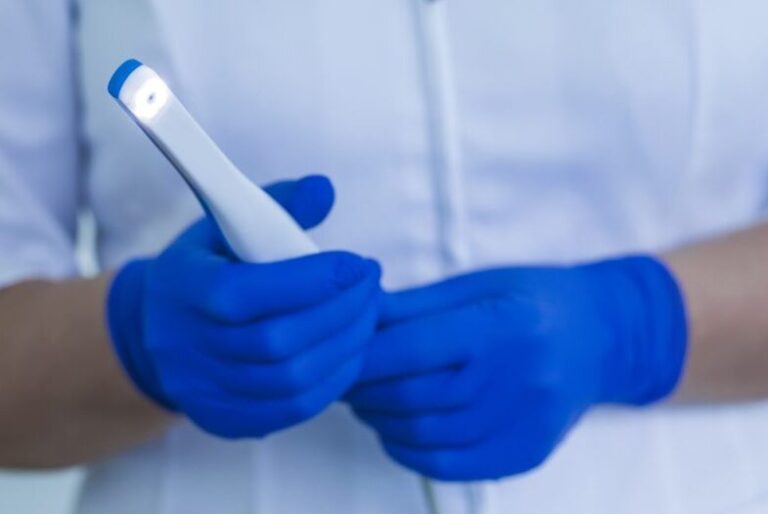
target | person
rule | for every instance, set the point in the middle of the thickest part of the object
(591, 175)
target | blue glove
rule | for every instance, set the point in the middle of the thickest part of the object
(481, 376)
(243, 349)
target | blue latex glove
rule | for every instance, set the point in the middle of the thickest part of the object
(243, 349)
(481, 376)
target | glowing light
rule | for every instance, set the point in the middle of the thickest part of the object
(150, 98)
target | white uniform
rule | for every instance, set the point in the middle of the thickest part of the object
(459, 134)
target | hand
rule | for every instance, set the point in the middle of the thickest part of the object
(243, 349)
(481, 376)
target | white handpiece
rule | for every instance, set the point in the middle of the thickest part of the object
(255, 226)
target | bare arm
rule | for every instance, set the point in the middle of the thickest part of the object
(63, 397)
(725, 282)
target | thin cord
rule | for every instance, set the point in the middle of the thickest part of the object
(429, 495)
(435, 59)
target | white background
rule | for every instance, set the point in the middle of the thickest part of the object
(39, 493)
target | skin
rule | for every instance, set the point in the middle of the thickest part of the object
(65, 400)
(725, 285)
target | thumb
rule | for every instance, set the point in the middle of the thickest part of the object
(308, 200)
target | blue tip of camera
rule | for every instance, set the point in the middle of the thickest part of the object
(120, 75)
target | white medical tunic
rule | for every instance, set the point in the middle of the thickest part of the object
(459, 134)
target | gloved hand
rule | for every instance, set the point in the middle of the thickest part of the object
(243, 349)
(481, 376)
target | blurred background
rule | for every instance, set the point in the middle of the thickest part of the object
(39, 493)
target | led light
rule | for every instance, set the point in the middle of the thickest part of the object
(150, 98)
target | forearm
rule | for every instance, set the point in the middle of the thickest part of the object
(63, 397)
(725, 283)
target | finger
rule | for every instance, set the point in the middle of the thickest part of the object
(236, 417)
(450, 338)
(524, 444)
(308, 200)
(433, 343)
(300, 374)
(238, 293)
(458, 428)
(198, 257)
(203, 239)
(283, 337)
(480, 462)
(423, 394)
(445, 464)
(446, 295)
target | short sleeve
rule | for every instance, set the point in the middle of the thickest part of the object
(39, 143)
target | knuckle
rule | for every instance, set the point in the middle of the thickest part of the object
(420, 353)
(184, 387)
(272, 341)
(538, 358)
(438, 466)
(220, 430)
(174, 389)
(430, 463)
(294, 378)
(533, 459)
(220, 300)
(526, 312)
(402, 396)
(227, 340)
(497, 307)
(347, 270)
(419, 430)
(215, 419)
(541, 357)
(300, 409)
(547, 377)
(463, 389)
(545, 390)
(495, 314)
